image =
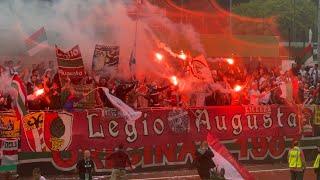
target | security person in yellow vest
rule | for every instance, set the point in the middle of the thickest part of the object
(296, 162)
(316, 165)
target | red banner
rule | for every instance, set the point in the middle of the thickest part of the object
(105, 129)
(70, 64)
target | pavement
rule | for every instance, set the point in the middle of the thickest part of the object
(260, 172)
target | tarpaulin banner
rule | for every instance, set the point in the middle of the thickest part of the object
(105, 57)
(161, 138)
(317, 115)
(9, 125)
(255, 150)
(101, 129)
(70, 65)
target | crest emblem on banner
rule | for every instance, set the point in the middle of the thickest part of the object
(179, 121)
(58, 131)
(34, 131)
(50, 131)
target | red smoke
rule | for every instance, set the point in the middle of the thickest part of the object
(207, 17)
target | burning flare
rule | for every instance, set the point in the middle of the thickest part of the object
(39, 92)
(237, 88)
(159, 56)
(182, 56)
(164, 47)
(230, 61)
(174, 80)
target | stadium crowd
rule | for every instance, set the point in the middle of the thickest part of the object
(256, 86)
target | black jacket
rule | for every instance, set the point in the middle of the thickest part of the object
(153, 96)
(85, 167)
(204, 163)
(122, 91)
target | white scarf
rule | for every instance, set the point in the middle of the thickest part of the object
(129, 114)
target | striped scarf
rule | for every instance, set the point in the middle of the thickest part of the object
(21, 98)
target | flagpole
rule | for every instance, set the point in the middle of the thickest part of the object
(134, 49)
(136, 33)
(136, 30)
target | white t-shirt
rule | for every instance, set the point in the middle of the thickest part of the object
(42, 178)
(261, 81)
(303, 72)
(254, 97)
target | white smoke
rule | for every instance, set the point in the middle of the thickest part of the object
(105, 22)
(5, 85)
(93, 22)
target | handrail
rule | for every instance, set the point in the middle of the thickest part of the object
(154, 108)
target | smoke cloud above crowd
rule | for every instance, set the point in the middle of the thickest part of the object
(104, 22)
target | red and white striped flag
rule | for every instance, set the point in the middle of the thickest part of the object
(223, 159)
(21, 97)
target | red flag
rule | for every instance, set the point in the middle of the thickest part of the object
(70, 65)
(223, 159)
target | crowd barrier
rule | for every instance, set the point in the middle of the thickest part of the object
(162, 138)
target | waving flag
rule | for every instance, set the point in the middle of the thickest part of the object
(129, 114)
(105, 58)
(21, 98)
(36, 42)
(70, 65)
(223, 159)
(307, 55)
(200, 69)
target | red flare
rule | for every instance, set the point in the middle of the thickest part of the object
(230, 61)
(182, 56)
(174, 80)
(39, 92)
(237, 88)
(159, 56)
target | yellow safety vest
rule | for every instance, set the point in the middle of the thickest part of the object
(295, 158)
(317, 162)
